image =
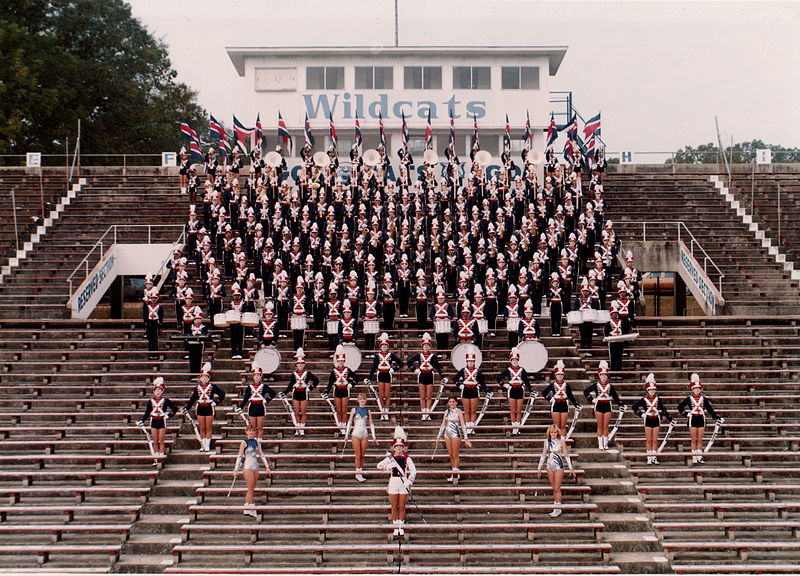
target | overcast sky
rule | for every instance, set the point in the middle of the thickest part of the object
(658, 71)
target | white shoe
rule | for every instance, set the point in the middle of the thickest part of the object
(400, 530)
(555, 513)
(655, 460)
(302, 431)
(360, 477)
(297, 432)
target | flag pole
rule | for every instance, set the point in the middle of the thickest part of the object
(396, 26)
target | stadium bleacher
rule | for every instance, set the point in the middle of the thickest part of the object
(81, 492)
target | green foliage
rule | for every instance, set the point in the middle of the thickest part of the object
(742, 153)
(65, 60)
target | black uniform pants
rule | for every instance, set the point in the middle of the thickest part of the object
(195, 356)
(388, 315)
(555, 318)
(152, 336)
(586, 329)
(442, 341)
(615, 350)
(404, 294)
(237, 339)
(422, 314)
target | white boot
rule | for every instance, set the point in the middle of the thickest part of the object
(452, 475)
(599, 442)
(303, 429)
(401, 523)
(556, 510)
(396, 527)
(359, 475)
(649, 456)
(605, 442)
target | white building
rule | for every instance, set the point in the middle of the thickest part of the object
(483, 82)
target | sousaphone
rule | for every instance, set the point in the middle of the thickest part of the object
(321, 159)
(483, 158)
(273, 159)
(430, 157)
(535, 157)
(371, 157)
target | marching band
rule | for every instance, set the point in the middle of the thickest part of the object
(344, 249)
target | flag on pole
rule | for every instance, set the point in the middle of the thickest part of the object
(187, 133)
(552, 132)
(452, 143)
(572, 128)
(382, 133)
(258, 144)
(216, 130)
(357, 140)
(334, 141)
(591, 143)
(196, 152)
(429, 133)
(307, 135)
(283, 133)
(476, 142)
(241, 134)
(527, 135)
(568, 150)
(507, 137)
(404, 132)
(592, 126)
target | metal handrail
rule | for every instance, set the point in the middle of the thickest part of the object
(103, 244)
(693, 242)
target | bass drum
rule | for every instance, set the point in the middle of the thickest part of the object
(352, 357)
(268, 359)
(533, 356)
(458, 357)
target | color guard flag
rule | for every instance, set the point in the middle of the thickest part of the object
(357, 140)
(382, 131)
(429, 133)
(216, 130)
(552, 132)
(507, 137)
(476, 143)
(526, 136)
(592, 126)
(187, 133)
(307, 135)
(283, 133)
(259, 140)
(572, 128)
(241, 134)
(404, 132)
(452, 142)
(334, 142)
(568, 150)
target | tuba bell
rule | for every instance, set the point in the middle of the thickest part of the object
(273, 159)
(483, 157)
(430, 157)
(321, 159)
(371, 157)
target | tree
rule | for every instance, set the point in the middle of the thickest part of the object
(66, 60)
(742, 153)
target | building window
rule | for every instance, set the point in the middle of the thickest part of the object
(416, 146)
(324, 78)
(520, 78)
(472, 77)
(422, 77)
(377, 77)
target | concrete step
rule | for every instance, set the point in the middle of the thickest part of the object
(616, 503)
(633, 541)
(141, 564)
(167, 505)
(641, 562)
(150, 544)
(622, 521)
(160, 524)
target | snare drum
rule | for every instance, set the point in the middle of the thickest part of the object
(219, 320)
(603, 317)
(372, 326)
(441, 325)
(512, 325)
(483, 326)
(298, 323)
(574, 317)
(233, 317)
(333, 326)
(589, 315)
(249, 319)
